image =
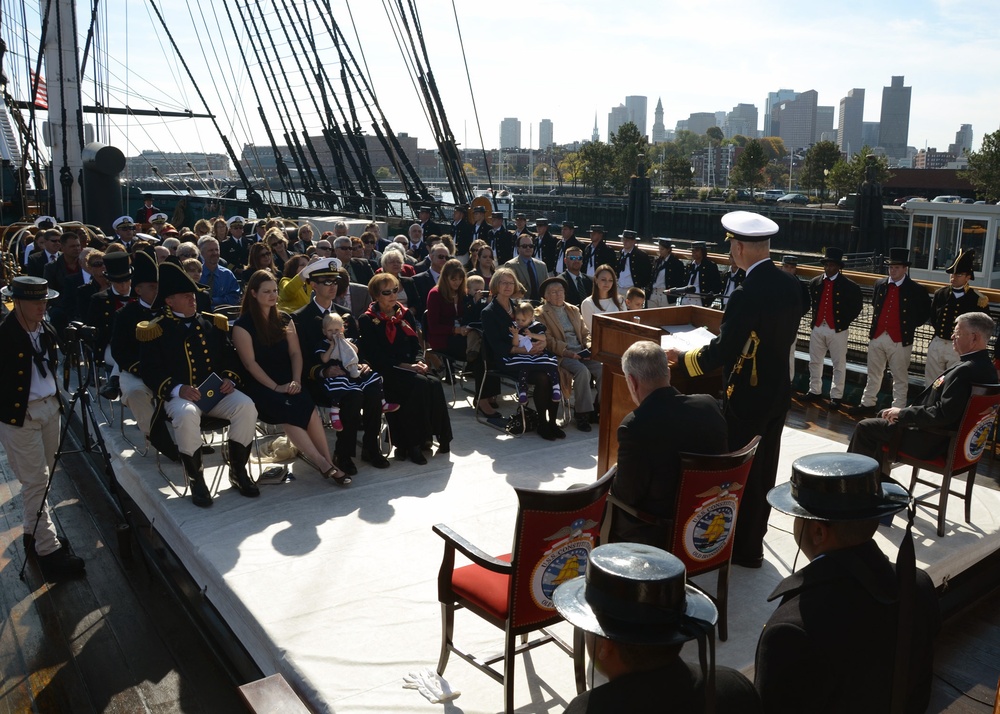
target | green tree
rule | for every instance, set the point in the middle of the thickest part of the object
(820, 158)
(846, 176)
(774, 147)
(470, 170)
(626, 144)
(676, 172)
(739, 140)
(597, 161)
(571, 167)
(687, 142)
(382, 172)
(841, 179)
(984, 168)
(715, 135)
(749, 166)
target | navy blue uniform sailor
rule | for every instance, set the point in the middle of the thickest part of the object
(179, 351)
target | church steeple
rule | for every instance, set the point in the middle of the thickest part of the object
(597, 134)
(659, 131)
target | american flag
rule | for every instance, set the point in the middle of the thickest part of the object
(41, 93)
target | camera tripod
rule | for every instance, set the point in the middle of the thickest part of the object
(79, 356)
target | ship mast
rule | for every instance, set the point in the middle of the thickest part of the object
(65, 126)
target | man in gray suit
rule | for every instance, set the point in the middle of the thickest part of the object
(531, 272)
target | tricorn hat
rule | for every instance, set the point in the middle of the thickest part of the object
(963, 263)
(838, 487)
(143, 267)
(637, 594)
(173, 281)
(834, 255)
(556, 280)
(748, 226)
(898, 256)
(118, 267)
(27, 287)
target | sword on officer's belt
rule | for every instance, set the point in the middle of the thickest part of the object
(749, 353)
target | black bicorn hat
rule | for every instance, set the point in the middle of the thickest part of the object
(898, 256)
(118, 266)
(635, 593)
(143, 268)
(838, 487)
(963, 263)
(27, 287)
(173, 281)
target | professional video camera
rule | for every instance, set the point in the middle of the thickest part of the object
(79, 333)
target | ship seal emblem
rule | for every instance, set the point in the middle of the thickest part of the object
(564, 560)
(710, 527)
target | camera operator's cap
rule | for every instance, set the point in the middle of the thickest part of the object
(597, 228)
(173, 281)
(123, 221)
(143, 267)
(789, 260)
(235, 221)
(117, 267)
(27, 287)
(665, 243)
(898, 256)
(963, 263)
(838, 487)
(158, 218)
(748, 227)
(322, 269)
(46, 222)
(629, 235)
(637, 594)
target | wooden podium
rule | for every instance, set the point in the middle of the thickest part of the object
(614, 333)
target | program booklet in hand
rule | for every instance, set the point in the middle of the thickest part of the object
(211, 393)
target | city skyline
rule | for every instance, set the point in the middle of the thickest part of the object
(595, 59)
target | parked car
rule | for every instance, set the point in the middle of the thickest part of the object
(904, 199)
(847, 202)
(771, 195)
(799, 198)
(913, 201)
(947, 199)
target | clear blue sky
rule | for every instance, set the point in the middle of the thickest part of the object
(566, 61)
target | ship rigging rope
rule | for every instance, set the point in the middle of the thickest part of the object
(468, 77)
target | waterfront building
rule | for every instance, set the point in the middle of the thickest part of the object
(741, 120)
(636, 107)
(616, 117)
(963, 141)
(931, 158)
(545, 134)
(894, 122)
(773, 99)
(794, 120)
(852, 112)
(510, 133)
(259, 159)
(659, 131)
(209, 166)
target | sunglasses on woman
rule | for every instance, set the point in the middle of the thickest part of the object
(389, 292)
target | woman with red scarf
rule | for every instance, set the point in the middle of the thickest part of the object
(388, 342)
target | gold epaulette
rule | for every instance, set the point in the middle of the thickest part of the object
(148, 330)
(983, 301)
(221, 321)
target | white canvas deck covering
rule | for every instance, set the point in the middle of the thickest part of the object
(335, 588)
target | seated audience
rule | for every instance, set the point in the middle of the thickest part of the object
(222, 284)
(193, 268)
(293, 292)
(603, 298)
(526, 333)
(276, 241)
(268, 347)
(259, 257)
(388, 341)
(635, 299)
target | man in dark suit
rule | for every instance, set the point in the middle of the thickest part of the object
(57, 273)
(424, 281)
(125, 345)
(461, 232)
(358, 270)
(235, 248)
(48, 254)
(520, 229)
(702, 276)
(429, 227)
(597, 252)
(941, 404)
(836, 302)
(322, 276)
(649, 455)
(416, 248)
(567, 239)
(546, 245)
(147, 211)
(500, 239)
(578, 285)
(480, 227)
(636, 612)
(635, 269)
(668, 273)
(752, 346)
(946, 305)
(901, 306)
(843, 620)
(531, 272)
(124, 232)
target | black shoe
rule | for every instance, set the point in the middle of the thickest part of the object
(345, 464)
(111, 390)
(583, 422)
(834, 405)
(29, 544)
(61, 564)
(557, 432)
(497, 420)
(808, 396)
(399, 454)
(545, 430)
(239, 456)
(595, 417)
(200, 495)
(375, 459)
(862, 411)
(752, 563)
(416, 455)
(444, 447)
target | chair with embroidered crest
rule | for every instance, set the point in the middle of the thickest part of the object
(554, 533)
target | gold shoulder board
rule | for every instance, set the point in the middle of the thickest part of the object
(221, 322)
(148, 330)
(983, 301)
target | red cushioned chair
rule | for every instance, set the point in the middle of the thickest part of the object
(553, 536)
(708, 501)
(966, 446)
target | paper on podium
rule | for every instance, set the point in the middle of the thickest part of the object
(685, 337)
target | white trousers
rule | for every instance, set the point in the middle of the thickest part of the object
(657, 298)
(138, 398)
(940, 356)
(237, 407)
(31, 452)
(822, 340)
(882, 353)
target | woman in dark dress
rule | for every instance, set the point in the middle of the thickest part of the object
(498, 318)
(388, 342)
(269, 349)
